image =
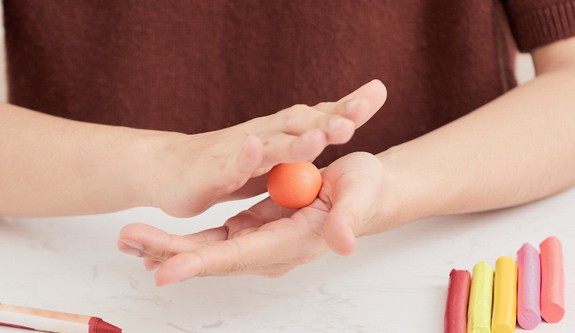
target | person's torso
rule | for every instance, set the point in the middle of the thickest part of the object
(194, 66)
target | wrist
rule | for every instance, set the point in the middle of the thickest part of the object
(128, 174)
(142, 170)
(403, 191)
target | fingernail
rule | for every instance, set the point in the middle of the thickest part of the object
(335, 123)
(132, 247)
(153, 266)
(352, 105)
(309, 134)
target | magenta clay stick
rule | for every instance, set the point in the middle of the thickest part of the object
(528, 287)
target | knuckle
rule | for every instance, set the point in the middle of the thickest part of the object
(295, 110)
(298, 107)
(164, 252)
(203, 271)
(238, 262)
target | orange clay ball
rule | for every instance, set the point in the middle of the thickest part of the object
(294, 185)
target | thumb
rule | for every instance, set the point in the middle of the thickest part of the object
(338, 231)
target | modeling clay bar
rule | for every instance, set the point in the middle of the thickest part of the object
(455, 320)
(504, 296)
(552, 280)
(521, 292)
(480, 299)
(528, 287)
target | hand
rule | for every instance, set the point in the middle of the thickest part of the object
(191, 172)
(269, 240)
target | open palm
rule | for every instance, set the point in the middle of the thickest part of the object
(266, 239)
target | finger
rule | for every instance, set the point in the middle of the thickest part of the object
(283, 148)
(151, 264)
(267, 210)
(301, 118)
(235, 173)
(373, 94)
(298, 118)
(337, 129)
(233, 256)
(244, 222)
(270, 271)
(152, 243)
(216, 259)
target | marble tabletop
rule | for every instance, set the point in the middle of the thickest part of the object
(394, 282)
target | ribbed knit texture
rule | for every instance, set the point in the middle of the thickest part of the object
(536, 23)
(193, 66)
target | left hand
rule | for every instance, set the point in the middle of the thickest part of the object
(269, 240)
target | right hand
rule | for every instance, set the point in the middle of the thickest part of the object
(191, 172)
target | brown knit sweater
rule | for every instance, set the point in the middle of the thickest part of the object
(193, 65)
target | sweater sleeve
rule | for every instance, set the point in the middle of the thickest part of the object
(538, 22)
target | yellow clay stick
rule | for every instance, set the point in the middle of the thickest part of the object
(504, 296)
(480, 299)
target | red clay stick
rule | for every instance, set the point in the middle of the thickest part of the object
(457, 297)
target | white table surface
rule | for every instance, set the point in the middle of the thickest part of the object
(394, 282)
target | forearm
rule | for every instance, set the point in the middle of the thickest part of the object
(54, 166)
(518, 148)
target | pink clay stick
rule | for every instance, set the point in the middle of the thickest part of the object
(552, 280)
(528, 287)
